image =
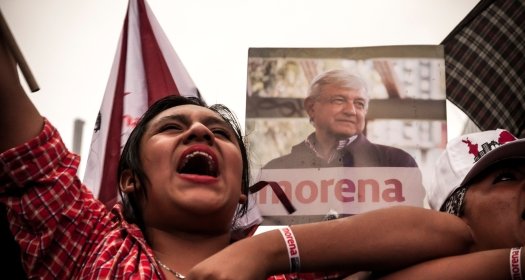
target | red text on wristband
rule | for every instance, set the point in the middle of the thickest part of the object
(515, 264)
(293, 249)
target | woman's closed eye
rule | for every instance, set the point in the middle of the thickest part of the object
(221, 133)
(170, 127)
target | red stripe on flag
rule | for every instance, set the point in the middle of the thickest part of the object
(159, 80)
(108, 191)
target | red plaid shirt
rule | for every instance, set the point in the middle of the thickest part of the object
(62, 230)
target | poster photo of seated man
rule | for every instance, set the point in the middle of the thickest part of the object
(344, 131)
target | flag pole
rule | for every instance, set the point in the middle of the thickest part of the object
(6, 34)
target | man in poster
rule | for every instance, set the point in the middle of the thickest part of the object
(337, 104)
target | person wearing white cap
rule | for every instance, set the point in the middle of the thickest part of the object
(480, 178)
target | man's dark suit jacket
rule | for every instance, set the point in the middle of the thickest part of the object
(359, 153)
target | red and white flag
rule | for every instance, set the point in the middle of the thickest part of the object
(146, 68)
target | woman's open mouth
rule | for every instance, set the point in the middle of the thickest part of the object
(198, 161)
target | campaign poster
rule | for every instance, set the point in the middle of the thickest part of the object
(335, 150)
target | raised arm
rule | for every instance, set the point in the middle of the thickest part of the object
(19, 118)
(385, 240)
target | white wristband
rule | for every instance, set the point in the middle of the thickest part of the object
(293, 249)
(515, 264)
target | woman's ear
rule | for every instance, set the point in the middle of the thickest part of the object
(128, 182)
(242, 199)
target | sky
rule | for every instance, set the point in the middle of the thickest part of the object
(70, 45)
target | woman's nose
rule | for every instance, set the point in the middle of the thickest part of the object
(199, 133)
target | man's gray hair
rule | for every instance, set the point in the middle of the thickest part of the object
(339, 78)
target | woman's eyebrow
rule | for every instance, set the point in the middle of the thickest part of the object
(184, 119)
(214, 120)
(180, 118)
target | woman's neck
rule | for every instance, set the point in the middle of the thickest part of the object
(180, 251)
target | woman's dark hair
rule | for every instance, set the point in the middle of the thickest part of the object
(130, 157)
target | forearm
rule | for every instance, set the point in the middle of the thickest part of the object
(19, 118)
(386, 239)
(381, 240)
(493, 264)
